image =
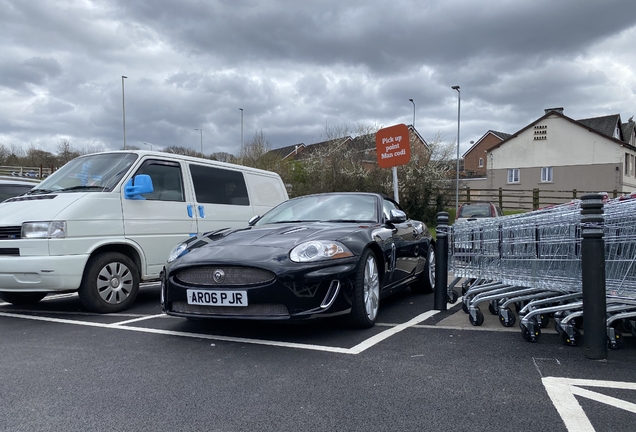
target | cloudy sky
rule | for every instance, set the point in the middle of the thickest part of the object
(296, 67)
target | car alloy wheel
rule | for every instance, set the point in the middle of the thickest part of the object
(365, 297)
(371, 288)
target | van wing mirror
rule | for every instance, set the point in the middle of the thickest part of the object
(137, 186)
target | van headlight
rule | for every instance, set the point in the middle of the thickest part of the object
(177, 251)
(48, 229)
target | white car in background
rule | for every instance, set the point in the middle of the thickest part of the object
(476, 210)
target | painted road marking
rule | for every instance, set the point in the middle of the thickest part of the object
(361, 347)
(562, 392)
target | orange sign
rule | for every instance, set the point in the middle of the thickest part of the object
(393, 146)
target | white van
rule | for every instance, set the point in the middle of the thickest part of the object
(106, 221)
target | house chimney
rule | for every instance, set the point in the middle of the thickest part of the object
(559, 110)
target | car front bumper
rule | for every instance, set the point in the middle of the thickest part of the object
(307, 291)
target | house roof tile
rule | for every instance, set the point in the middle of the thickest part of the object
(605, 125)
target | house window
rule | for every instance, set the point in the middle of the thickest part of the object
(513, 175)
(481, 162)
(627, 170)
(546, 174)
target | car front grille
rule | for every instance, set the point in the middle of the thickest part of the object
(224, 276)
(257, 310)
(10, 232)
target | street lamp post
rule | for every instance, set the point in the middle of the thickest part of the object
(413, 102)
(459, 102)
(123, 107)
(201, 130)
(149, 144)
(241, 131)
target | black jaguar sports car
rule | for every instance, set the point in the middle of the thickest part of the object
(314, 256)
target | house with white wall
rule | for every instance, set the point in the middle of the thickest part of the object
(558, 153)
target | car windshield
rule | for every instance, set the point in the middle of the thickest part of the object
(324, 208)
(97, 172)
(475, 210)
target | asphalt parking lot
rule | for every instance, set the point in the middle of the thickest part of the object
(63, 368)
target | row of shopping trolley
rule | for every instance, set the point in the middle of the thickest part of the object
(526, 269)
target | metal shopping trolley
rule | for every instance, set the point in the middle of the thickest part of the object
(531, 262)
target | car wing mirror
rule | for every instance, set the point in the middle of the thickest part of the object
(253, 220)
(397, 216)
(137, 186)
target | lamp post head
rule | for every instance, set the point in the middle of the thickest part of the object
(411, 100)
(455, 88)
(124, 76)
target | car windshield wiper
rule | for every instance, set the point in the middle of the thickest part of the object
(80, 187)
(296, 221)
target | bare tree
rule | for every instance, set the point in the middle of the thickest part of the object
(65, 151)
(185, 151)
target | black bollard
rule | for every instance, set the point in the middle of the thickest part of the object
(593, 277)
(441, 262)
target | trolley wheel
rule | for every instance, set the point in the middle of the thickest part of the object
(544, 320)
(578, 322)
(506, 317)
(493, 307)
(530, 336)
(616, 342)
(475, 317)
(452, 296)
(465, 285)
(573, 340)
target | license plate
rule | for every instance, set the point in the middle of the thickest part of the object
(217, 298)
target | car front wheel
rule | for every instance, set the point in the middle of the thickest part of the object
(366, 293)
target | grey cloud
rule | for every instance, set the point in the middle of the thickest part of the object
(36, 70)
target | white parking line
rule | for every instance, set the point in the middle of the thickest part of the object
(121, 326)
(562, 392)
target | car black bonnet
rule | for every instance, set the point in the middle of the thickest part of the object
(249, 243)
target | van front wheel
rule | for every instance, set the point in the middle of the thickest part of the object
(110, 283)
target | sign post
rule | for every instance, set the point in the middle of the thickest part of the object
(393, 148)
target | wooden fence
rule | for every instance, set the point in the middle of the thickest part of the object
(38, 172)
(529, 199)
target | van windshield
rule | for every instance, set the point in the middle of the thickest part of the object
(97, 172)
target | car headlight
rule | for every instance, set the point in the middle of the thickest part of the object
(319, 250)
(48, 229)
(177, 251)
